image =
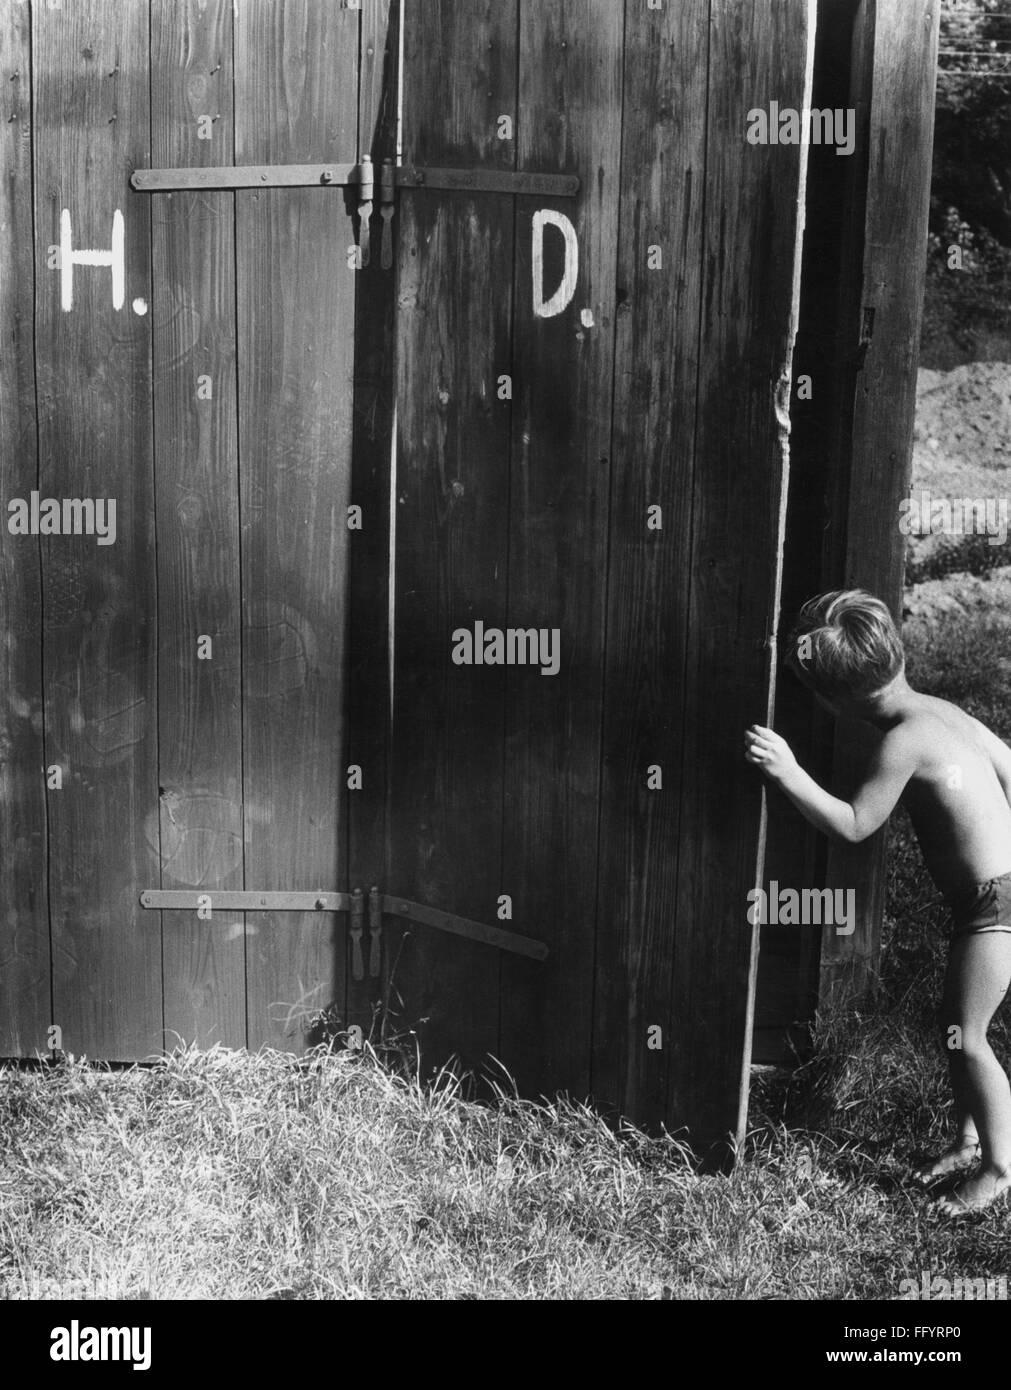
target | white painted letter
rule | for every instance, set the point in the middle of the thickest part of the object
(562, 297)
(114, 258)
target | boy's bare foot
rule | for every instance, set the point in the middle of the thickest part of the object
(953, 1160)
(976, 1193)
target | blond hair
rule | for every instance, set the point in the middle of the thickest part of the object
(845, 643)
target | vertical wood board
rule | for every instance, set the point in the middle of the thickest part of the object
(759, 53)
(197, 490)
(453, 342)
(570, 120)
(372, 465)
(296, 101)
(25, 961)
(896, 67)
(656, 374)
(92, 117)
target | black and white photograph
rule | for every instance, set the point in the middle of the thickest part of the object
(505, 657)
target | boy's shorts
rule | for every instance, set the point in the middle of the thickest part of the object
(982, 907)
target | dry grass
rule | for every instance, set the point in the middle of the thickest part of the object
(228, 1175)
(224, 1175)
(233, 1176)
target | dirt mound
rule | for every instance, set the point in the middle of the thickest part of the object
(963, 428)
(957, 635)
(961, 448)
(956, 598)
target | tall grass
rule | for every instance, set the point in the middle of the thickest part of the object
(223, 1175)
(226, 1175)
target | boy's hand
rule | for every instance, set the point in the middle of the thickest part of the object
(769, 752)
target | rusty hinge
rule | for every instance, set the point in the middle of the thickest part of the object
(344, 175)
(235, 900)
(360, 175)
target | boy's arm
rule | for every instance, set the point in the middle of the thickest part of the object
(890, 769)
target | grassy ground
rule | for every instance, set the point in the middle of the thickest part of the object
(227, 1176)
(232, 1177)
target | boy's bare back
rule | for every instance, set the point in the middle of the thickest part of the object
(958, 792)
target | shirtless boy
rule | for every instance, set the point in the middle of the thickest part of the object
(954, 777)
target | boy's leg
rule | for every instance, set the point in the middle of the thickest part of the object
(964, 1151)
(979, 973)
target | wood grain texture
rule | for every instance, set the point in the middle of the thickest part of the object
(895, 76)
(664, 386)
(663, 187)
(369, 717)
(378, 80)
(90, 74)
(570, 120)
(199, 811)
(296, 100)
(455, 258)
(752, 246)
(24, 912)
(789, 959)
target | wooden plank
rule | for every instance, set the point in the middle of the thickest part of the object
(200, 733)
(897, 67)
(296, 94)
(378, 80)
(453, 342)
(841, 771)
(663, 178)
(24, 911)
(90, 73)
(570, 118)
(369, 577)
(759, 53)
(789, 958)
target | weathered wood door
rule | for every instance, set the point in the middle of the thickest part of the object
(177, 702)
(590, 459)
(592, 434)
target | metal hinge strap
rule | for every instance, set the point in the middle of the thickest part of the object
(244, 176)
(366, 191)
(465, 926)
(245, 901)
(487, 181)
(355, 933)
(355, 175)
(387, 196)
(235, 900)
(375, 931)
